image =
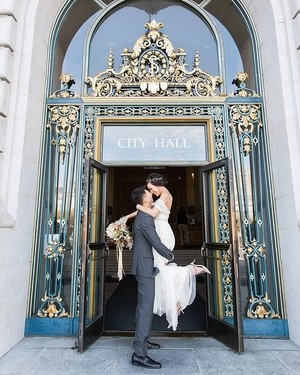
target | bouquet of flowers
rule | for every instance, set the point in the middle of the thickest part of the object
(119, 235)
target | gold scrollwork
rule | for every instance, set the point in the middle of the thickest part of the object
(66, 82)
(259, 312)
(260, 309)
(53, 309)
(242, 91)
(243, 117)
(54, 250)
(153, 67)
(64, 119)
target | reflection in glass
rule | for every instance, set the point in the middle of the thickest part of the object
(95, 266)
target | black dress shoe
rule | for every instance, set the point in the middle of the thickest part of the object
(152, 345)
(144, 361)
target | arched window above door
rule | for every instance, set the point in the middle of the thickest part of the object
(186, 24)
(66, 38)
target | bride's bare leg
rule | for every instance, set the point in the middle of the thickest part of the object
(179, 310)
(198, 269)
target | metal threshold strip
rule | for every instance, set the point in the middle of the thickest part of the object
(159, 333)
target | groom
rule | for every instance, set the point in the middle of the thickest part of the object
(144, 238)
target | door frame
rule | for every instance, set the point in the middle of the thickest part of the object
(231, 335)
(96, 251)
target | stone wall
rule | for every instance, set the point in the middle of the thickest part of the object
(25, 32)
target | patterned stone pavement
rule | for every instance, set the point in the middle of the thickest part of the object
(180, 356)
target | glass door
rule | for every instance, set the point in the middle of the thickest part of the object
(221, 253)
(94, 252)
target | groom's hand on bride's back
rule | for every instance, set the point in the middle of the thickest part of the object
(169, 261)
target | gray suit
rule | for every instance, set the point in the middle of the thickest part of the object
(144, 238)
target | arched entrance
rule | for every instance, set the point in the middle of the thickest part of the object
(153, 68)
(131, 97)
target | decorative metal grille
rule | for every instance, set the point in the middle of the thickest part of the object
(247, 145)
(153, 68)
(58, 210)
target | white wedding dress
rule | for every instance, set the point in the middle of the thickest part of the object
(175, 286)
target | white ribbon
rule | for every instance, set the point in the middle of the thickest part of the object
(119, 254)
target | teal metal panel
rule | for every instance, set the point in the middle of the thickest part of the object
(265, 328)
(51, 327)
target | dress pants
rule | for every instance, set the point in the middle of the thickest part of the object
(144, 314)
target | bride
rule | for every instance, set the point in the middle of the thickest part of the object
(175, 286)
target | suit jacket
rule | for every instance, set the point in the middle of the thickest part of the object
(144, 238)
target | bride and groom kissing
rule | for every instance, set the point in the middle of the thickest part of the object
(163, 287)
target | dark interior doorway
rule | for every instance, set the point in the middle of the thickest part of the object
(184, 185)
(120, 310)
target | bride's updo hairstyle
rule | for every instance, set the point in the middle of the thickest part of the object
(157, 179)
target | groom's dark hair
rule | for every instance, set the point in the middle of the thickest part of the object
(137, 194)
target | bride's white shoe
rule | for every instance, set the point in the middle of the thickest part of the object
(198, 269)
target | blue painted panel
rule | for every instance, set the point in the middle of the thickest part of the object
(266, 328)
(51, 327)
(69, 327)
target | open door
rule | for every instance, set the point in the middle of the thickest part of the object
(93, 254)
(221, 253)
